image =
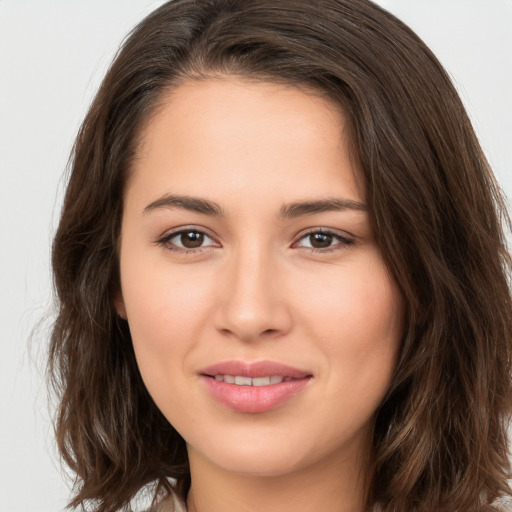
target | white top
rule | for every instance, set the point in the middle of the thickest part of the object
(171, 504)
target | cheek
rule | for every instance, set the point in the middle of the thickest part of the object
(359, 302)
(166, 312)
(358, 323)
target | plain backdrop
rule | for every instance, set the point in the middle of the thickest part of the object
(53, 54)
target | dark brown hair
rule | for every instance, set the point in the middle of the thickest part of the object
(440, 436)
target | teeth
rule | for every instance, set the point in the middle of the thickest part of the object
(261, 381)
(248, 381)
(243, 381)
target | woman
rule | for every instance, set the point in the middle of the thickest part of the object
(281, 272)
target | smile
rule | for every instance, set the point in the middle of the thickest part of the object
(253, 395)
(240, 380)
(254, 387)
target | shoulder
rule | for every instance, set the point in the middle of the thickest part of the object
(169, 504)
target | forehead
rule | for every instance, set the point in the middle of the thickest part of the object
(231, 136)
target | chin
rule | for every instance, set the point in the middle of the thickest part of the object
(257, 466)
(252, 459)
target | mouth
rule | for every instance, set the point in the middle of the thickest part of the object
(254, 370)
(240, 380)
(254, 387)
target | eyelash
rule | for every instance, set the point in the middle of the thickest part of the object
(343, 241)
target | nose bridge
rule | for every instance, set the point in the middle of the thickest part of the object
(252, 304)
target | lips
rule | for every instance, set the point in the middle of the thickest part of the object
(255, 369)
(241, 393)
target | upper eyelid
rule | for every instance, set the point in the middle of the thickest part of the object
(330, 231)
(322, 229)
(326, 231)
(301, 234)
(184, 229)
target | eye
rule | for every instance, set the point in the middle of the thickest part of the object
(187, 240)
(323, 241)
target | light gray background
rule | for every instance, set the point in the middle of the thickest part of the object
(53, 55)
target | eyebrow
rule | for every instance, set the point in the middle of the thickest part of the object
(300, 208)
(193, 204)
(287, 211)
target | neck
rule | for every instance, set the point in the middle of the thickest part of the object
(334, 485)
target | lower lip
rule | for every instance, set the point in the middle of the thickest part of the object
(254, 398)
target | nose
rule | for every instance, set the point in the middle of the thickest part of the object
(253, 301)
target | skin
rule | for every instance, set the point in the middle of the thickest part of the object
(257, 290)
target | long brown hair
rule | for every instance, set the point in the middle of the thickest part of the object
(440, 435)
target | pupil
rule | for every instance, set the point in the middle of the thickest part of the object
(192, 239)
(321, 240)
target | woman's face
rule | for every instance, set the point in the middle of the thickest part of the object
(245, 239)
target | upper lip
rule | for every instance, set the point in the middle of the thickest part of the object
(255, 369)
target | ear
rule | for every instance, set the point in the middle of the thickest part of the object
(119, 305)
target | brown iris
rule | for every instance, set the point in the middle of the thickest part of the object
(320, 240)
(192, 239)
